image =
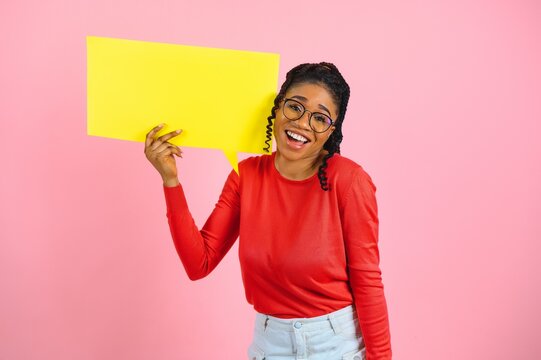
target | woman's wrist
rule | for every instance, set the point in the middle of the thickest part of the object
(171, 182)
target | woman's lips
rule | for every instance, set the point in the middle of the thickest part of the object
(296, 136)
(295, 141)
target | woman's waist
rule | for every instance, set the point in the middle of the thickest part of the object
(336, 318)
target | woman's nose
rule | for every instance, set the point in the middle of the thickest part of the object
(304, 121)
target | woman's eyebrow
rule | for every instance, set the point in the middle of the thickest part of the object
(302, 98)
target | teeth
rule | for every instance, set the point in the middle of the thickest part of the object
(297, 136)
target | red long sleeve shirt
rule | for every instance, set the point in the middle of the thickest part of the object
(303, 251)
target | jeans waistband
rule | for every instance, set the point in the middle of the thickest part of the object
(333, 320)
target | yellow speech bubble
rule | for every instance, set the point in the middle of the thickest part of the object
(219, 97)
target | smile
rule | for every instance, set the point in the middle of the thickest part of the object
(296, 137)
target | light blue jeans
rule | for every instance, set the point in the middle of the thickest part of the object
(334, 336)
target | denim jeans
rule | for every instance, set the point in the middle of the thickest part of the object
(334, 336)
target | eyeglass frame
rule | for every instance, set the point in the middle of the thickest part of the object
(304, 112)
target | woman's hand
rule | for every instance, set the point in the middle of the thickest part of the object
(160, 154)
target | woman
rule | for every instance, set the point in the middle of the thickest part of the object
(308, 225)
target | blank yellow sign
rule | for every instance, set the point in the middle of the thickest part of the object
(220, 98)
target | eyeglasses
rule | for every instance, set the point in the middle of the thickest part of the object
(294, 110)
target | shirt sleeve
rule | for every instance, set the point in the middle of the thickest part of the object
(360, 225)
(201, 251)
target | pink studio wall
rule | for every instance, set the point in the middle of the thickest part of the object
(444, 115)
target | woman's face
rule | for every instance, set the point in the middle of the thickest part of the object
(295, 139)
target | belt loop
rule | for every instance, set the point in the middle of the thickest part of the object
(335, 324)
(266, 321)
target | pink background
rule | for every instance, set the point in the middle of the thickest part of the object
(445, 116)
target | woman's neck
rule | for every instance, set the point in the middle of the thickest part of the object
(297, 169)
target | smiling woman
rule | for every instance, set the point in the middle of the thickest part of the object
(299, 144)
(308, 244)
(324, 81)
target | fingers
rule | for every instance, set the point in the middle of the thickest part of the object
(154, 143)
(161, 147)
(156, 148)
(171, 149)
(170, 135)
(163, 139)
(150, 135)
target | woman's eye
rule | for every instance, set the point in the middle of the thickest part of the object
(295, 107)
(321, 118)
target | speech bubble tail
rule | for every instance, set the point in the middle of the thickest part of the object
(231, 155)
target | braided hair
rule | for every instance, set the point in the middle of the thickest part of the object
(327, 75)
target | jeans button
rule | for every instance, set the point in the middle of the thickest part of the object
(297, 325)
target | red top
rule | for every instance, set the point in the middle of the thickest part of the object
(303, 251)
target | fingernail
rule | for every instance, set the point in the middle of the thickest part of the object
(178, 131)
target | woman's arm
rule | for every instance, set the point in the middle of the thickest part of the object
(360, 225)
(199, 251)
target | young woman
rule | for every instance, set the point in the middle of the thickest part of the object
(308, 225)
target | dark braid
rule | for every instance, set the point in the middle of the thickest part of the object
(277, 100)
(325, 74)
(269, 124)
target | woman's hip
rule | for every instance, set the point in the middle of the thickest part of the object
(336, 335)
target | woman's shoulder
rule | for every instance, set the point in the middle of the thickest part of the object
(345, 166)
(344, 171)
(342, 161)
